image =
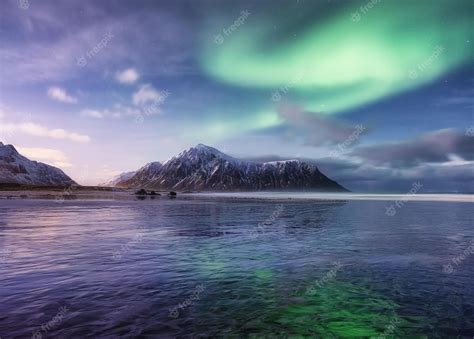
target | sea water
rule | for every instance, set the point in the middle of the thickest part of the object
(226, 266)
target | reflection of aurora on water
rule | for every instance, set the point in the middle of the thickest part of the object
(272, 306)
(342, 310)
(337, 309)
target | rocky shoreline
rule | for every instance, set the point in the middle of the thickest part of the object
(8, 191)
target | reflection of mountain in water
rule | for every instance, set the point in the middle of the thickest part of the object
(268, 217)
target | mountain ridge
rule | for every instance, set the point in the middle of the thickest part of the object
(205, 168)
(17, 169)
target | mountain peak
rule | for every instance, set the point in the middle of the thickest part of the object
(202, 152)
(202, 147)
(8, 149)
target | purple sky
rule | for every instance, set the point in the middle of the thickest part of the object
(99, 88)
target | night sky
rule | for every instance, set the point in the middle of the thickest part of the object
(378, 93)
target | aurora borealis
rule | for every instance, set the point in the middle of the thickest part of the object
(337, 63)
(257, 79)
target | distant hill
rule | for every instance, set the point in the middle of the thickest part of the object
(17, 169)
(118, 180)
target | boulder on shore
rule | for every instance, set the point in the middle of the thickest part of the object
(141, 192)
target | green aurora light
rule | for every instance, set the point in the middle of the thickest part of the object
(337, 64)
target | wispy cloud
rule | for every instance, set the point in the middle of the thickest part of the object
(92, 113)
(146, 94)
(55, 56)
(434, 147)
(317, 129)
(48, 155)
(145, 101)
(118, 111)
(42, 131)
(60, 94)
(458, 97)
(128, 76)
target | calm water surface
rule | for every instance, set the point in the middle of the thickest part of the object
(230, 268)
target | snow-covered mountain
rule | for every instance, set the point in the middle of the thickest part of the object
(145, 174)
(207, 169)
(118, 180)
(16, 169)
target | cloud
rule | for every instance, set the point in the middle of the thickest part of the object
(458, 97)
(56, 157)
(92, 113)
(60, 94)
(41, 131)
(128, 76)
(146, 101)
(434, 147)
(436, 177)
(442, 160)
(118, 111)
(148, 94)
(318, 129)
